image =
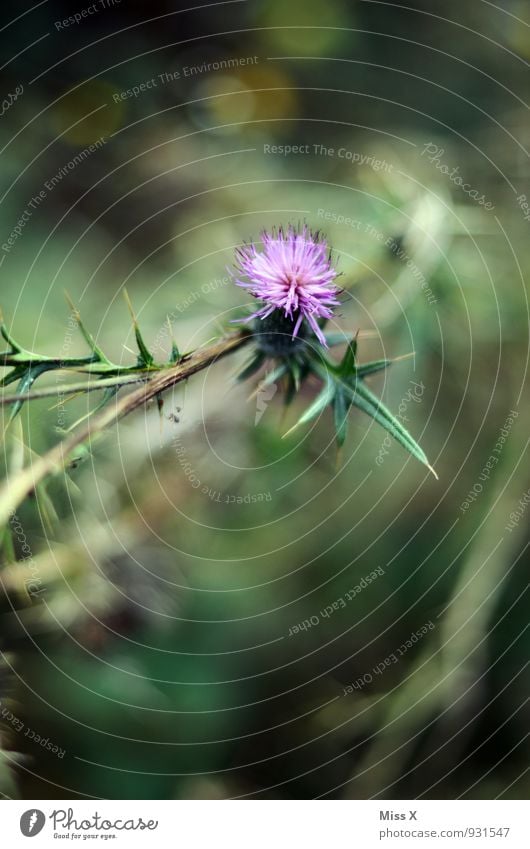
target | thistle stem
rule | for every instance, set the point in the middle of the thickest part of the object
(128, 376)
(59, 457)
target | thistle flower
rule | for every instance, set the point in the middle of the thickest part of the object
(293, 275)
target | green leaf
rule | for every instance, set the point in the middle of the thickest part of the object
(295, 370)
(379, 365)
(365, 400)
(314, 409)
(347, 366)
(373, 367)
(175, 355)
(341, 408)
(27, 380)
(6, 545)
(15, 348)
(16, 374)
(145, 357)
(89, 339)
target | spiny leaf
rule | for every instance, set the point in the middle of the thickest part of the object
(295, 370)
(27, 380)
(314, 409)
(15, 348)
(341, 409)
(299, 368)
(364, 399)
(347, 366)
(16, 374)
(174, 356)
(373, 367)
(89, 339)
(379, 365)
(145, 357)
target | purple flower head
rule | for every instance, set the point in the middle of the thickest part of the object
(293, 273)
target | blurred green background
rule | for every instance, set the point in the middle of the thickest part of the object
(176, 559)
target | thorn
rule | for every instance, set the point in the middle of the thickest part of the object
(290, 430)
(404, 357)
(72, 306)
(208, 342)
(175, 355)
(65, 401)
(129, 306)
(89, 339)
(15, 347)
(432, 470)
(145, 357)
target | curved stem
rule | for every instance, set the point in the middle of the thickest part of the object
(58, 457)
(66, 389)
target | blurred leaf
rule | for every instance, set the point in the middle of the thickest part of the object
(145, 358)
(340, 411)
(314, 409)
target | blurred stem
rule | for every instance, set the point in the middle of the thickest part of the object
(58, 457)
(58, 389)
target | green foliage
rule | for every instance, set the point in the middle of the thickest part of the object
(26, 366)
(344, 387)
